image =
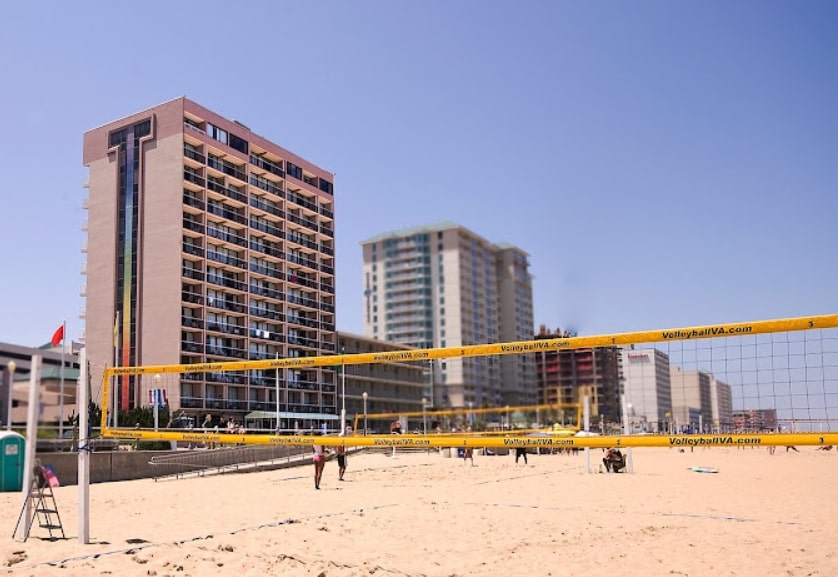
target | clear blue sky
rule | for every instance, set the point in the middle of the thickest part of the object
(665, 164)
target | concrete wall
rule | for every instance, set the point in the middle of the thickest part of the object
(107, 466)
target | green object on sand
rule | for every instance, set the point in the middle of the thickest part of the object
(704, 469)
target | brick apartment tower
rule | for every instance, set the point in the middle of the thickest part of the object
(209, 243)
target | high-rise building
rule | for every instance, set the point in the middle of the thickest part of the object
(756, 420)
(442, 285)
(721, 399)
(209, 243)
(647, 388)
(692, 405)
(570, 375)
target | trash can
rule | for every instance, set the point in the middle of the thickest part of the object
(11, 461)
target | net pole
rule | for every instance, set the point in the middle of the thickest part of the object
(83, 473)
(586, 419)
(626, 431)
(276, 394)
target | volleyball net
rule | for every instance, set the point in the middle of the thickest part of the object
(771, 382)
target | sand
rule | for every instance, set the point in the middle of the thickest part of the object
(424, 514)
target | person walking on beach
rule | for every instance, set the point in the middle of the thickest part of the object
(207, 426)
(468, 455)
(319, 463)
(341, 453)
(520, 452)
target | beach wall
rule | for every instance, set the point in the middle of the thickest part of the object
(108, 466)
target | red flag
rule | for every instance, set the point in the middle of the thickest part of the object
(58, 336)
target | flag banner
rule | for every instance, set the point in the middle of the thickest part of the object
(157, 397)
(57, 336)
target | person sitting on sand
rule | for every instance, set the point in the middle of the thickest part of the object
(614, 460)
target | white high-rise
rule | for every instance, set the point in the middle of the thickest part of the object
(647, 387)
(442, 285)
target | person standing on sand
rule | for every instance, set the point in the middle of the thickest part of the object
(319, 463)
(468, 455)
(340, 451)
(520, 452)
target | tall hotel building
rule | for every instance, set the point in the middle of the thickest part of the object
(209, 243)
(647, 388)
(442, 285)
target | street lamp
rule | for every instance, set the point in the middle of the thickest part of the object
(424, 419)
(365, 412)
(11, 366)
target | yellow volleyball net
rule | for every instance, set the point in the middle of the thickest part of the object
(770, 382)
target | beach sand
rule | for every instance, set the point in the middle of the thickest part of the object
(425, 514)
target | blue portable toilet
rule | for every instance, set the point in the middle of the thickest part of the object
(11, 461)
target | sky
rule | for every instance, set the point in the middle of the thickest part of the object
(664, 164)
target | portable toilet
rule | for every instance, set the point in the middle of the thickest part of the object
(11, 461)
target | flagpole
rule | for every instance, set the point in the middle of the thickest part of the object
(61, 386)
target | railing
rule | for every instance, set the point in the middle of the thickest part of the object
(194, 154)
(266, 185)
(226, 167)
(265, 164)
(193, 178)
(191, 199)
(202, 462)
(301, 200)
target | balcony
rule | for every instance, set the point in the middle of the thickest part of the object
(301, 201)
(267, 165)
(223, 258)
(302, 221)
(191, 322)
(192, 199)
(267, 248)
(267, 206)
(266, 185)
(193, 274)
(266, 313)
(227, 168)
(193, 224)
(216, 232)
(219, 209)
(192, 249)
(266, 292)
(194, 154)
(192, 297)
(226, 281)
(266, 227)
(193, 177)
(228, 191)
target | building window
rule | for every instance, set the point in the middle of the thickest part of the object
(217, 133)
(238, 143)
(142, 129)
(294, 170)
